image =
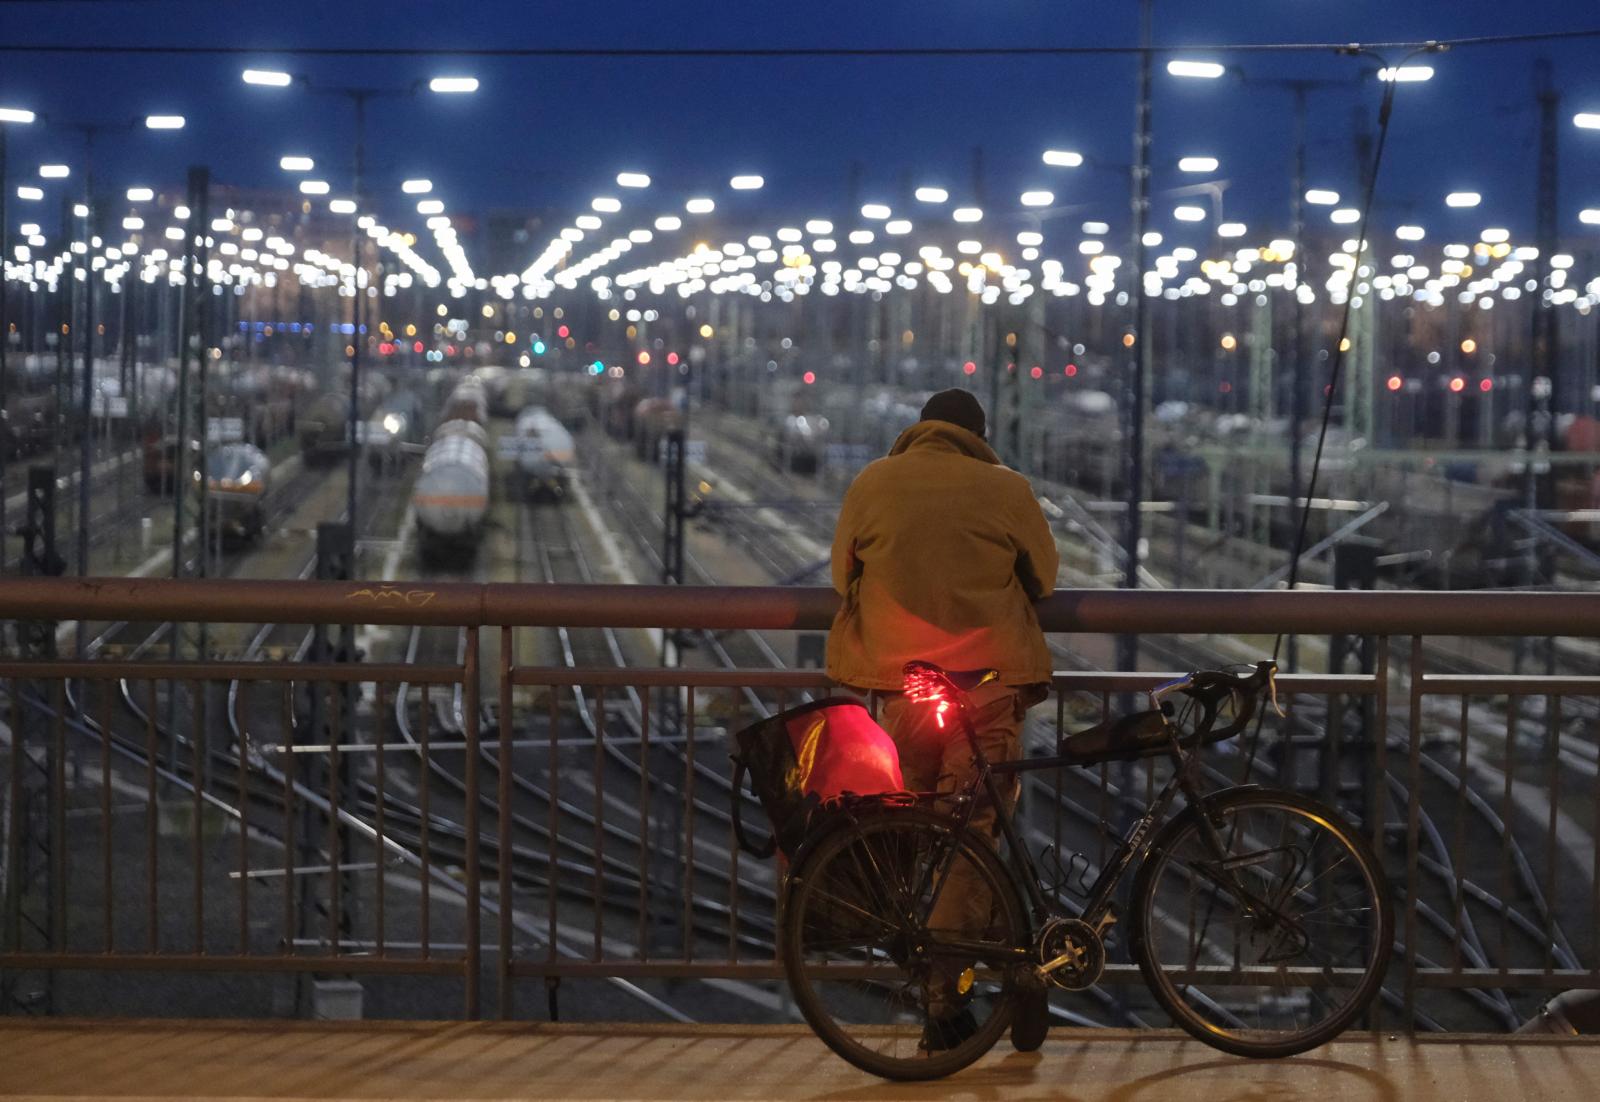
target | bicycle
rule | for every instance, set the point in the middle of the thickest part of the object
(1296, 895)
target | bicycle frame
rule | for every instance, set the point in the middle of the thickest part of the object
(1130, 849)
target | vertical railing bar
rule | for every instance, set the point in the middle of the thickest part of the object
(105, 809)
(1379, 799)
(197, 738)
(336, 735)
(152, 823)
(1334, 704)
(597, 891)
(244, 818)
(290, 768)
(733, 858)
(474, 916)
(1553, 748)
(688, 826)
(1059, 772)
(1594, 879)
(1459, 857)
(1380, 747)
(1514, 706)
(424, 788)
(382, 718)
(1413, 826)
(58, 819)
(643, 936)
(1105, 788)
(506, 729)
(783, 861)
(551, 871)
(13, 856)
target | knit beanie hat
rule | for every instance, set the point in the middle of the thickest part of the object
(958, 407)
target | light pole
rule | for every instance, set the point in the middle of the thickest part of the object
(1300, 89)
(9, 116)
(358, 96)
(1139, 346)
(90, 131)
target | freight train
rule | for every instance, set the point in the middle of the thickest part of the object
(542, 455)
(450, 497)
(324, 426)
(237, 479)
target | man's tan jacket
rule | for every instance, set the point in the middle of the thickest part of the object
(939, 554)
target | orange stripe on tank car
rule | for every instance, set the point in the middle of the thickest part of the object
(451, 500)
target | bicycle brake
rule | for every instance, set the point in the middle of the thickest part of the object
(1272, 691)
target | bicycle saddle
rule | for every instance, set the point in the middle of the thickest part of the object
(965, 680)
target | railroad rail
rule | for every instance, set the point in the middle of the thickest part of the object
(1479, 790)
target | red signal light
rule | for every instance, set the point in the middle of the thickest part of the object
(672, 358)
(1486, 385)
(1395, 382)
(1037, 372)
(1072, 369)
(1457, 385)
(416, 346)
(969, 368)
(1226, 387)
(562, 332)
(809, 377)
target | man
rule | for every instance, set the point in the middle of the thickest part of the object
(939, 554)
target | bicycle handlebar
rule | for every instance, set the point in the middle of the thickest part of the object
(1209, 688)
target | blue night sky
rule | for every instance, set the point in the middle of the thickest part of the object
(546, 133)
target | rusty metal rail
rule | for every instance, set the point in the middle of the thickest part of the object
(1482, 793)
(775, 608)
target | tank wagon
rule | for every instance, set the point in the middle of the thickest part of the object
(542, 452)
(237, 479)
(450, 497)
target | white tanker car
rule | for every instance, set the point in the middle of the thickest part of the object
(451, 495)
(543, 451)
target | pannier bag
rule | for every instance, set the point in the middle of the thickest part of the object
(801, 758)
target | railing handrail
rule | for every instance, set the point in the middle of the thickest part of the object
(776, 608)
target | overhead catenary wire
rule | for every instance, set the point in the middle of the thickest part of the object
(1413, 46)
(1331, 389)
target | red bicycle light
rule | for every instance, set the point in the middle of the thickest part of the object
(925, 685)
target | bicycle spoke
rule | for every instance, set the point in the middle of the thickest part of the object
(863, 965)
(1267, 942)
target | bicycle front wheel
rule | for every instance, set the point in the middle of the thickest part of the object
(864, 965)
(1265, 931)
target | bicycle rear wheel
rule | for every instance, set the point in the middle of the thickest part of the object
(1275, 944)
(860, 959)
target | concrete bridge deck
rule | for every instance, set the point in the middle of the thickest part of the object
(61, 1058)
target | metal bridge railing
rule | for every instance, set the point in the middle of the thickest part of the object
(468, 813)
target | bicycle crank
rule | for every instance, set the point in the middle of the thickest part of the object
(1070, 953)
